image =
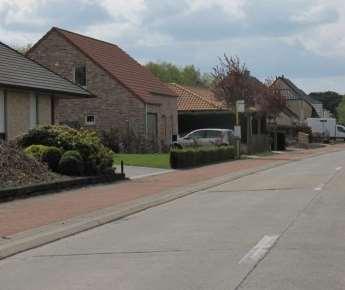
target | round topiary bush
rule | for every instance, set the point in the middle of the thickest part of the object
(35, 151)
(74, 154)
(51, 156)
(71, 164)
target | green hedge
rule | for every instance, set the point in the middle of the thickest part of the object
(191, 157)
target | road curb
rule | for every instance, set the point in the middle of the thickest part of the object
(24, 241)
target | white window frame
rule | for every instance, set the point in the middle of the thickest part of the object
(87, 123)
(2, 112)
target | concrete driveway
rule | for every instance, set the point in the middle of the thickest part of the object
(137, 172)
(282, 228)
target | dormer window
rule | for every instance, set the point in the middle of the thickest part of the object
(80, 75)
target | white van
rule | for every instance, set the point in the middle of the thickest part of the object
(326, 128)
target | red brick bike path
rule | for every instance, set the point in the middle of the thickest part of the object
(21, 215)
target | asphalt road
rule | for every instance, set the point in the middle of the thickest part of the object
(283, 228)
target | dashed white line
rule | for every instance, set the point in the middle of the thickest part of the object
(260, 249)
(319, 188)
(339, 168)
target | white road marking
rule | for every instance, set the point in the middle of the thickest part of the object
(339, 168)
(260, 249)
(319, 188)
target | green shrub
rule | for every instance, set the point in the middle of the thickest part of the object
(48, 154)
(73, 153)
(97, 158)
(52, 155)
(191, 157)
(71, 164)
(36, 151)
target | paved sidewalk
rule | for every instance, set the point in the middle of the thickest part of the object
(22, 215)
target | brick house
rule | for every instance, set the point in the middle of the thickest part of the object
(29, 93)
(129, 97)
(298, 101)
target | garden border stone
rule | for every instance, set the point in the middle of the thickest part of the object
(8, 194)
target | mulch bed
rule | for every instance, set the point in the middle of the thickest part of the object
(17, 169)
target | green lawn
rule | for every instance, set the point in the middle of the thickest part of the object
(146, 160)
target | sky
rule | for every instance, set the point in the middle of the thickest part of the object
(301, 39)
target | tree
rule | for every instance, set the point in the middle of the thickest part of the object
(23, 49)
(341, 112)
(270, 100)
(232, 82)
(170, 73)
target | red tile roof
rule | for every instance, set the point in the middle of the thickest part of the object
(135, 77)
(196, 99)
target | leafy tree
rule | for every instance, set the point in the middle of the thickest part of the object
(341, 111)
(170, 73)
(330, 100)
(270, 100)
(23, 49)
(233, 82)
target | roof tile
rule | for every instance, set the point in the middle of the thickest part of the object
(19, 71)
(196, 99)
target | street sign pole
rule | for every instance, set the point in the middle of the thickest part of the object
(239, 108)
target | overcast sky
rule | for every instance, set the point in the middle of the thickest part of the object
(302, 39)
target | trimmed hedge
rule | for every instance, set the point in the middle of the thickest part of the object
(192, 157)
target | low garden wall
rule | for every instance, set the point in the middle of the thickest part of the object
(7, 194)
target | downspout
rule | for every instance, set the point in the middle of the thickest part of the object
(52, 107)
(146, 120)
(5, 115)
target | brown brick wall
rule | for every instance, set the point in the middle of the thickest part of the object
(114, 107)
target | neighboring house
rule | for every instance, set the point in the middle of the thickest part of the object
(198, 108)
(129, 97)
(298, 101)
(29, 93)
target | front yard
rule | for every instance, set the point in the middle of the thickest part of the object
(145, 160)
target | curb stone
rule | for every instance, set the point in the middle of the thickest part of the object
(30, 239)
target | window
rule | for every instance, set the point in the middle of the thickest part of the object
(152, 126)
(80, 75)
(90, 120)
(197, 135)
(213, 134)
(341, 129)
(33, 111)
